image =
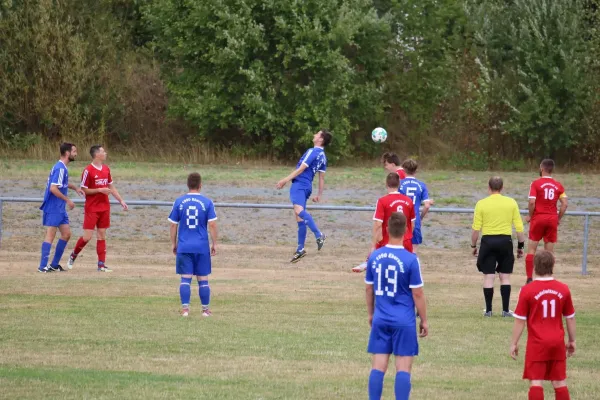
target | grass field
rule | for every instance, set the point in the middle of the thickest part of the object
(278, 331)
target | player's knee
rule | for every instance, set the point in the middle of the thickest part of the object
(559, 384)
(66, 236)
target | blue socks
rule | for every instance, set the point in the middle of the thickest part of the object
(204, 292)
(45, 254)
(301, 235)
(185, 291)
(58, 253)
(402, 385)
(310, 223)
(376, 384)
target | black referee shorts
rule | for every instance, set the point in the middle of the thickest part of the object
(496, 255)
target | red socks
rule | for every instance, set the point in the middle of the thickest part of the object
(562, 393)
(79, 246)
(536, 393)
(101, 250)
(529, 266)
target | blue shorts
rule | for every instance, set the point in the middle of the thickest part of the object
(193, 264)
(55, 219)
(398, 340)
(417, 236)
(299, 196)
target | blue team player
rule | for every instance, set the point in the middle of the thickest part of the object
(394, 287)
(55, 215)
(192, 217)
(312, 161)
(417, 191)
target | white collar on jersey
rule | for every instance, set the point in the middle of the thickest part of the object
(99, 169)
(319, 147)
(393, 246)
(410, 177)
(550, 278)
(549, 177)
(61, 161)
(194, 194)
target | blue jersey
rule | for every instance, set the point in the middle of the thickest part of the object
(417, 191)
(394, 271)
(316, 161)
(193, 212)
(59, 176)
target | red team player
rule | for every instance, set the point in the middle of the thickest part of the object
(392, 202)
(391, 163)
(97, 184)
(542, 306)
(543, 195)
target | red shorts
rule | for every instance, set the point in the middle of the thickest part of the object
(543, 228)
(552, 370)
(93, 220)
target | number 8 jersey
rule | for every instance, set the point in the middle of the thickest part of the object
(393, 272)
(192, 212)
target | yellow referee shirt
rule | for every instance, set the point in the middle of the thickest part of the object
(496, 214)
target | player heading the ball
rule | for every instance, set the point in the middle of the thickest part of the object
(313, 161)
(394, 288)
(97, 183)
(543, 195)
(55, 215)
(542, 305)
(191, 218)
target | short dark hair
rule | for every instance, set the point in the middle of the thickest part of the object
(194, 181)
(327, 137)
(543, 262)
(410, 166)
(64, 147)
(397, 225)
(95, 149)
(495, 183)
(391, 158)
(392, 180)
(548, 165)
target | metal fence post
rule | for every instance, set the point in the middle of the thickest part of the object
(0, 223)
(586, 228)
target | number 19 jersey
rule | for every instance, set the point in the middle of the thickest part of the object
(192, 212)
(393, 272)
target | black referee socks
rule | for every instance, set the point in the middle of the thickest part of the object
(505, 293)
(488, 293)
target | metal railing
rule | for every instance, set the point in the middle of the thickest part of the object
(449, 210)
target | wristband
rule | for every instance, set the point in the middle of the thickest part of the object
(521, 245)
(474, 246)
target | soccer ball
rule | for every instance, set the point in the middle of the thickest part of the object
(379, 135)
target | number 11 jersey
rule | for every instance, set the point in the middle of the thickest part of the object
(192, 212)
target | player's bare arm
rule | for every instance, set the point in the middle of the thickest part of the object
(317, 198)
(377, 234)
(518, 329)
(291, 176)
(116, 195)
(426, 206)
(370, 302)
(77, 189)
(212, 226)
(564, 203)
(421, 304)
(571, 333)
(474, 239)
(89, 192)
(173, 233)
(531, 209)
(55, 191)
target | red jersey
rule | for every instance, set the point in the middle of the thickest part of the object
(391, 203)
(94, 177)
(401, 173)
(543, 303)
(546, 191)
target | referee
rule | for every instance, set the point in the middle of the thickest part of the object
(494, 217)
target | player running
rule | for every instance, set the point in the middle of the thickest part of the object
(97, 184)
(312, 161)
(391, 163)
(54, 207)
(393, 202)
(543, 195)
(542, 306)
(394, 288)
(192, 217)
(417, 191)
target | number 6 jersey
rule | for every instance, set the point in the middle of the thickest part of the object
(393, 272)
(192, 212)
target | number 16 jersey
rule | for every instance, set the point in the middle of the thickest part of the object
(192, 212)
